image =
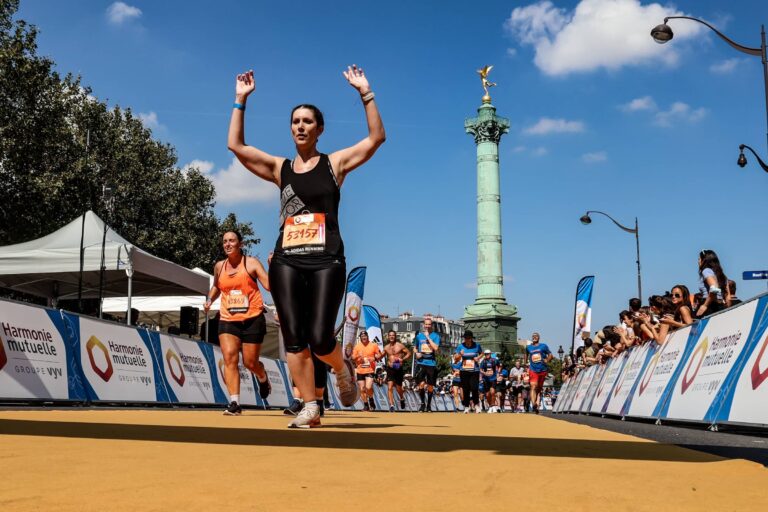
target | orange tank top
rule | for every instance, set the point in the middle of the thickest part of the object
(240, 295)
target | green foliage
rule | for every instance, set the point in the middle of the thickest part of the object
(555, 368)
(59, 146)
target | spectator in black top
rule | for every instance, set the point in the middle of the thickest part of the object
(732, 290)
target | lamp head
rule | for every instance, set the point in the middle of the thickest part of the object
(742, 161)
(585, 219)
(662, 33)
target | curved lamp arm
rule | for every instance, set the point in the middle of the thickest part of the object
(628, 230)
(757, 52)
(743, 161)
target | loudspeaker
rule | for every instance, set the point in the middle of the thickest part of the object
(188, 320)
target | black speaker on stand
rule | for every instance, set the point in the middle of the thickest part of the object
(188, 320)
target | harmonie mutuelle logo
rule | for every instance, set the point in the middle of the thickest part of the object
(170, 355)
(95, 344)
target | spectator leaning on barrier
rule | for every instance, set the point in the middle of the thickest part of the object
(732, 291)
(713, 284)
(590, 352)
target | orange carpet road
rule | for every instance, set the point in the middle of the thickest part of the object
(188, 460)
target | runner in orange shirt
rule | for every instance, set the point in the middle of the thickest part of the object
(365, 355)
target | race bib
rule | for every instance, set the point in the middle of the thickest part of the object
(306, 230)
(366, 363)
(426, 348)
(468, 364)
(536, 357)
(236, 302)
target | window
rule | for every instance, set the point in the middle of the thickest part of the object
(395, 326)
(409, 326)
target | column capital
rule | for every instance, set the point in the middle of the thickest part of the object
(487, 126)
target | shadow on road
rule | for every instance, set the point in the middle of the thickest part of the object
(354, 436)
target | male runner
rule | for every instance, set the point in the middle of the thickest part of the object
(501, 388)
(488, 369)
(538, 355)
(516, 381)
(365, 354)
(395, 353)
(426, 345)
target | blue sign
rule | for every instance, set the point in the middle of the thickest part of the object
(755, 274)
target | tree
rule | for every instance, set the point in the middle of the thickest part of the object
(60, 146)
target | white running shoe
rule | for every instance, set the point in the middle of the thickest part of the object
(307, 418)
(466, 410)
(345, 381)
(477, 409)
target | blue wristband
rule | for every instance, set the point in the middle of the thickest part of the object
(238, 106)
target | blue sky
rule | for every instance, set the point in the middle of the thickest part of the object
(601, 118)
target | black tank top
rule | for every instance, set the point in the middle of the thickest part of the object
(309, 215)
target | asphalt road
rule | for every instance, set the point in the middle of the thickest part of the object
(723, 444)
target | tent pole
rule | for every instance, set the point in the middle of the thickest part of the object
(129, 271)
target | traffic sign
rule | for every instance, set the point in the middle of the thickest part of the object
(755, 274)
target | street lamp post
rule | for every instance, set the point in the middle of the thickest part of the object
(663, 33)
(586, 219)
(560, 352)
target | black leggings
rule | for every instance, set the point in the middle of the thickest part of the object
(307, 303)
(470, 384)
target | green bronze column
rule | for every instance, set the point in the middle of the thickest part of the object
(493, 321)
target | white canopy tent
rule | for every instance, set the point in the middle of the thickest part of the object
(51, 266)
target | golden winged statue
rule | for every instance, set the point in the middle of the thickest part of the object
(486, 83)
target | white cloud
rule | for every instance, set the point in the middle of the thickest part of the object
(680, 111)
(637, 104)
(546, 125)
(726, 66)
(540, 151)
(120, 12)
(518, 149)
(511, 52)
(149, 120)
(204, 166)
(607, 34)
(595, 158)
(236, 184)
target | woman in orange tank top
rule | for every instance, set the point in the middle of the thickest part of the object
(242, 325)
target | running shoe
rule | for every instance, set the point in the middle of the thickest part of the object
(402, 404)
(422, 407)
(477, 409)
(265, 388)
(466, 410)
(535, 409)
(345, 381)
(371, 404)
(306, 419)
(233, 409)
(391, 408)
(294, 408)
(366, 407)
(321, 407)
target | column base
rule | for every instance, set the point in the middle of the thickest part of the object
(494, 326)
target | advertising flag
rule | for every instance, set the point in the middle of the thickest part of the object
(583, 316)
(372, 321)
(353, 305)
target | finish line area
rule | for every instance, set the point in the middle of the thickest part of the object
(180, 459)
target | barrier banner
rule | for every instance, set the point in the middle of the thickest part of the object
(625, 389)
(592, 390)
(411, 400)
(715, 353)
(581, 390)
(560, 402)
(332, 396)
(747, 390)
(36, 358)
(654, 380)
(117, 361)
(565, 392)
(380, 397)
(280, 395)
(623, 384)
(248, 395)
(438, 402)
(186, 370)
(613, 369)
(572, 394)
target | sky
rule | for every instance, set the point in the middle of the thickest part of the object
(602, 118)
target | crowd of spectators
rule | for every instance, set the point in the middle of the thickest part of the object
(651, 323)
